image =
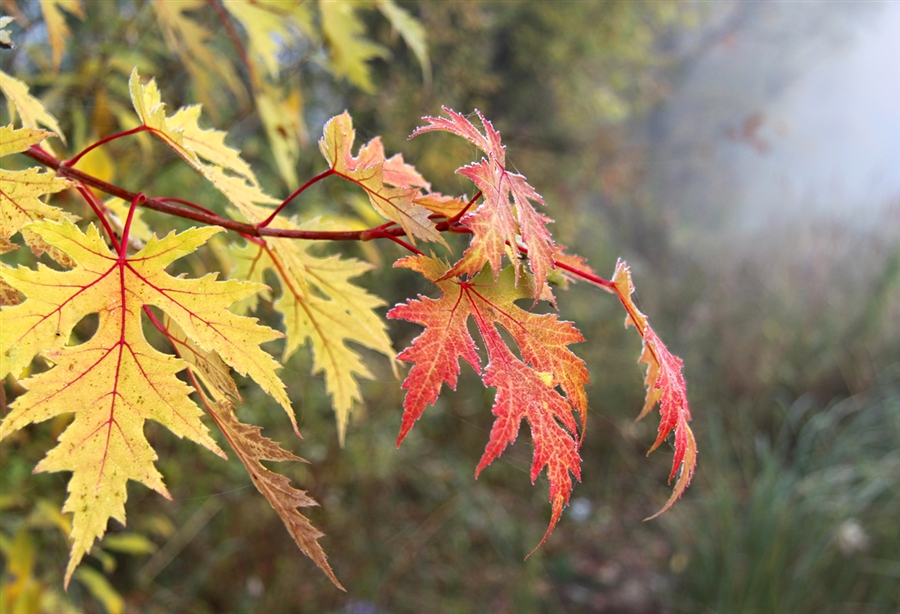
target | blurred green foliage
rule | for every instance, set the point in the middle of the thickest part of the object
(790, 350)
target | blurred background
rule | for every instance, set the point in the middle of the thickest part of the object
(743, 157)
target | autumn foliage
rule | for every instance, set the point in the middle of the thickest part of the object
(116, 267)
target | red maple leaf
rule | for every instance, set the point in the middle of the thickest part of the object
(506, 217)
(665, 386)
(544, 387)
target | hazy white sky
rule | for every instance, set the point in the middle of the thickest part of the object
(836, 133)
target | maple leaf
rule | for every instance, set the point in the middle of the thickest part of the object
(526, 387)
(182, 132)
(206, 364)
(343, 31)
(20, 191)
(251, 447)
(320, 305)
(317, 300)
(391, 184)
(116, 380)
(57, 30)
(665, 386)
(249, 444)
(189, 39)
(412, 31)
(27, 106)
(499, 223)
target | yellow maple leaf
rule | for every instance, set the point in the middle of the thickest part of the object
(27, 106)
(320, 305)
(349, 51)
(207, 365)
(21, 191)
(57, 30)
(116, 381)
(182, 132)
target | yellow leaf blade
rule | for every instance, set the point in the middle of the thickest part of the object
(27, 106)
(350, 52)
(116, 381)
(322, 307)
(20, 203)
(57, 30)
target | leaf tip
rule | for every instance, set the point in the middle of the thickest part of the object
(559, 502)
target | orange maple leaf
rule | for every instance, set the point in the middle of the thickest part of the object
(506, 217)
(527, 388)
(392, 185)
(116, 381)
(665, 386)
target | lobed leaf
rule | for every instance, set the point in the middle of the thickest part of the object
(21, 191)
(506, 217)
(322, 307)
(116, 380)
(182, 132)
(249, 444)
(27, 106)
(391, 185)
(252, 448)
(665, 387)
(531, 388)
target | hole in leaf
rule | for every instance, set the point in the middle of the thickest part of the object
(85, 329)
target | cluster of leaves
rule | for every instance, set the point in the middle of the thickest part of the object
(116, 268)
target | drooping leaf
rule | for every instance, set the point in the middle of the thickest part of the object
(210, 72)
(251, 447)
(57, 30)
(249, 444)
(21, 191)
(412, 31)
(349, 50)
(282, 118)
(506, 216)
(531, 388)
(27, 106)
(206, 364)
(391, 185)
(665, 387)
(116, 381)
(321, 306)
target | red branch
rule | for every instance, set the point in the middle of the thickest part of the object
(200, 214)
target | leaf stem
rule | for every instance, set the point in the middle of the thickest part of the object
(103, 141)
(294, 195)
(100, 211)
(136, 202)
(197, 213)
(595, 279)
(459, 215)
